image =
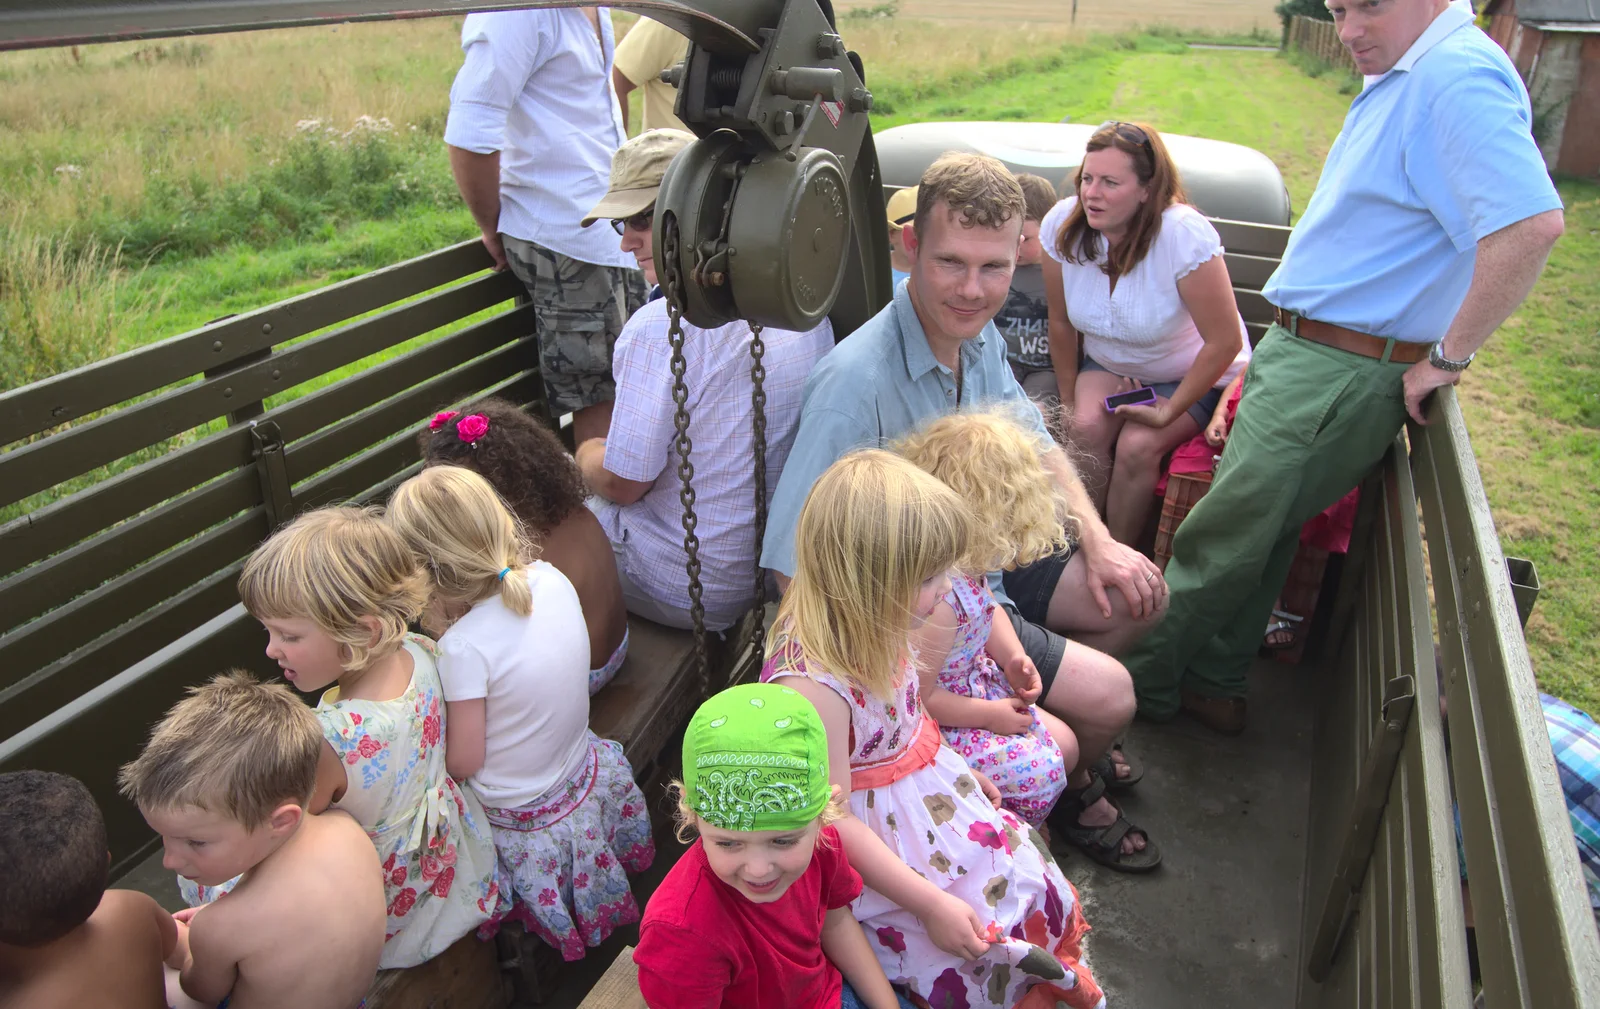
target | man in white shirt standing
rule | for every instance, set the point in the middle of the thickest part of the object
(533, 124)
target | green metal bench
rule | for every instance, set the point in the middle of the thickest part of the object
(168, 465)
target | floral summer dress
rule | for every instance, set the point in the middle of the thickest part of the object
(440, 874)
(431, 834)
(1027, 768)
(568, 854)
(919, 796)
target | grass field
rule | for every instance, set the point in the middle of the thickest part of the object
(195, 163)
(1251, 98)
(178, 148)
(303, 155)
(1092, 15)
(1533, 406)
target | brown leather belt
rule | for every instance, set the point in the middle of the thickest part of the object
(1349, 340)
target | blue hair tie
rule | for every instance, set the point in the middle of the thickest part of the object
(503, 573)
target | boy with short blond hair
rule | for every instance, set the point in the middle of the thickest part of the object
(65, 940)
(225, 780)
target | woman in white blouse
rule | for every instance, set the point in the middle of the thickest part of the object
(1136, 280)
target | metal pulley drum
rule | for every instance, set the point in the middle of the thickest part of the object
(763, 237)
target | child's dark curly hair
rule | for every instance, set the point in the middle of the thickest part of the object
(521, 457)
(53, 841)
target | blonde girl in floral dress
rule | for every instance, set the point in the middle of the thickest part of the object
(336, 589)
(977, 681)
(569, 823)
(963, 904)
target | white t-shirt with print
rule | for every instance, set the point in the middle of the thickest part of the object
(1142, 330)
(533, 674)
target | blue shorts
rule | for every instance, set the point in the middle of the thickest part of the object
(1202, 409)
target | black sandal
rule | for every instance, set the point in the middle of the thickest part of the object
(1102, 844)
(1106, 770)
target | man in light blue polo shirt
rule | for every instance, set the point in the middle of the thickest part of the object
(1430, 224)
(935, 350)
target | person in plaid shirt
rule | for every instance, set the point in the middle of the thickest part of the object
(1575, 742)
(1575, 738)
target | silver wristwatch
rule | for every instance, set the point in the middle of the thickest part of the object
(1438, 360)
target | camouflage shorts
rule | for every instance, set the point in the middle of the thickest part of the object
(578, 311)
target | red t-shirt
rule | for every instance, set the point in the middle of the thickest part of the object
(702, 945)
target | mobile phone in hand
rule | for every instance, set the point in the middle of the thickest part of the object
(1131, 398)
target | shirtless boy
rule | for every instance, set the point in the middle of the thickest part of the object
(225, 780)
(65, 940)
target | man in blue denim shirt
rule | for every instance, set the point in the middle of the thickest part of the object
(1430, 224)
(935, 350)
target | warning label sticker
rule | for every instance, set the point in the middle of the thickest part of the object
(834, 111)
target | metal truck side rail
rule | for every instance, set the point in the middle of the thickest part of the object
(1385, 922)
(729, 27)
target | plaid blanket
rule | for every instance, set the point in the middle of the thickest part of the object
(1575, 738)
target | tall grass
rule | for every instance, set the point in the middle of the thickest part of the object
(1313, 65)
(177, 154)
(179, 149)
(59, 308)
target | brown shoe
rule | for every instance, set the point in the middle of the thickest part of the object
(1225, 715)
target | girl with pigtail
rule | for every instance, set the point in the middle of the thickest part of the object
(568, 820)
(539, 481)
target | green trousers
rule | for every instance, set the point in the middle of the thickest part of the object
(1314, 422)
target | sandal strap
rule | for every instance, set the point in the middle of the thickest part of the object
(1089, 794)
(1109, 839)
(1105, 768)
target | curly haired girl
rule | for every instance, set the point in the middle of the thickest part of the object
(977, 681)
(538, 478)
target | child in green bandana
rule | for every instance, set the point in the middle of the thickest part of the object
(756, 914)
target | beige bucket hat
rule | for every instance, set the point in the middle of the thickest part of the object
(636, 173)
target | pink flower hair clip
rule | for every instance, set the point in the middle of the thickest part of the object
(442, 418)
(472, 427)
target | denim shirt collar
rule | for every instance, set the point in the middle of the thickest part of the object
(914, 339)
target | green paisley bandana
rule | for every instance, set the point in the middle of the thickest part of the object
(755, 757)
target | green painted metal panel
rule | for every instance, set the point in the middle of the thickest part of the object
(44, 463)
(42, 406)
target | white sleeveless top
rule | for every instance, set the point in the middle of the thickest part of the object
(1142, 330)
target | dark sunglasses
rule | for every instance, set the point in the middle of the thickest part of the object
(1130, 133)
(638, 222)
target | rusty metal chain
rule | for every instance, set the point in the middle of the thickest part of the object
(758, 414)
(672, 287)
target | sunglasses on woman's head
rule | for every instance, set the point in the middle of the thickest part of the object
(1129, 132)
(638, 222)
